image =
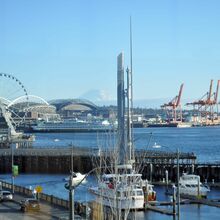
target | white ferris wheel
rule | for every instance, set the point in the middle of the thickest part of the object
(12, 107)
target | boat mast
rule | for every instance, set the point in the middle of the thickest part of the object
(121, 110)
(125, 144)
(130, 102)
(129, 137)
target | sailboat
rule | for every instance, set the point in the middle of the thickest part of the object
(123, 188)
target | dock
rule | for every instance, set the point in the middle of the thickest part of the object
(202, 201)
(158, 209)
(57, 160)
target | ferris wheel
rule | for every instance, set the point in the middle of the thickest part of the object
(14, 108)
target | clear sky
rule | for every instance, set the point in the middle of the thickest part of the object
(64, 48)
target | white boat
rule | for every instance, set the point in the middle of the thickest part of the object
(189, 184)
(73, 125)
(122, 187)
(77, 178)
(124, 191)
(156, 145)
(184, 125)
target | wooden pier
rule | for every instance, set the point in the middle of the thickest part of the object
(158, 209)
(152, 164)
(202, 201)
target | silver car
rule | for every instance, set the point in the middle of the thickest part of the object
(5, 195)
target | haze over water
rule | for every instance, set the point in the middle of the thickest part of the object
(203, 141)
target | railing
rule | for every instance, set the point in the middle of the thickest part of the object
(48, 151)
(44, 197)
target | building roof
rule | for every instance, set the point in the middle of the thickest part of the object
(73, 104)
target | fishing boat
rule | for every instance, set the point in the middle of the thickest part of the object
(189, 184)
(122, 188)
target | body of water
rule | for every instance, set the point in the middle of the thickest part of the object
(203, 141)
(54, 184)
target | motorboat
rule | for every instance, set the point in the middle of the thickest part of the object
(156, 145)
(77, 178)
(189, 184)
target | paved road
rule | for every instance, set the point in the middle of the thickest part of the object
(11, 210)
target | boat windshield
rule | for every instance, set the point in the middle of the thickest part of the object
(139, 193)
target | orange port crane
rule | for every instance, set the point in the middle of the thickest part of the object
(215, 95)
(205, 100)
(205, 105)
(214, 103)
(173, 108)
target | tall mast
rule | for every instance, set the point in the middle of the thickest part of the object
(121, 109)
(129, 134)
(131, 94)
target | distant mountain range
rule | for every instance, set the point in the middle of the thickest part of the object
(101, 97)
(96, 96)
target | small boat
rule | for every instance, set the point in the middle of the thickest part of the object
(189, 184)
(156, 145)
(77, 178)
(56, 140)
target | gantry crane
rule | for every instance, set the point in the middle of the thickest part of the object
(173, 108)
(205, 106)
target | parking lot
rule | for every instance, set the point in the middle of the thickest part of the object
(11, 210)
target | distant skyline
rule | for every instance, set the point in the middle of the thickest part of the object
(64, 49)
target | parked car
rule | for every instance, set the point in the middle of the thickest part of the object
(5, 195)
(30, 204)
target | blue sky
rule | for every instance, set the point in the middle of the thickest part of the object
(64, 48)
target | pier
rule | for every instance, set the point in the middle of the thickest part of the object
(153, 164)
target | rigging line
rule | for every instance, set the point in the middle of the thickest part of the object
(145, 154)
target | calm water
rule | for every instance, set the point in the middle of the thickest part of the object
(203, 141)
(54, 184)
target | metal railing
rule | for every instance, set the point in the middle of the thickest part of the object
(43, 197)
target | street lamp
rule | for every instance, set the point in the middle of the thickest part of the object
(71, 187)
(12, 167)
(12, 158)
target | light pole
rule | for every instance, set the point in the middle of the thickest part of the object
(71, 189)
(71, 198)
(178, 185)
(12, 158)
(12, 166)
